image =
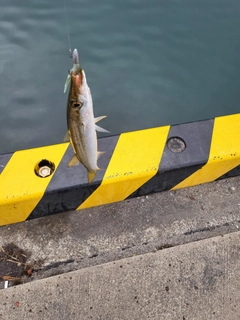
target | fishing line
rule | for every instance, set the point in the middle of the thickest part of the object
(68, 32)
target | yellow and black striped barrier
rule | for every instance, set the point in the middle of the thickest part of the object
(38, 182)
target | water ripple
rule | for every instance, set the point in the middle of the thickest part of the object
(148, 63)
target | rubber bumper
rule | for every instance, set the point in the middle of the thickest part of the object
(134, 164)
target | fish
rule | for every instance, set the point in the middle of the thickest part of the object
(81, 123)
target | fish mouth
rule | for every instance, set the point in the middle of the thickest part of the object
(75, 57)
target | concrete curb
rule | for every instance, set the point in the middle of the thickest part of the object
(199, 280)
(137, 163)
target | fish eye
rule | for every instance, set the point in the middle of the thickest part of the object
(77, 104)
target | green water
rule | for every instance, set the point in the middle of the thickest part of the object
(148, 63)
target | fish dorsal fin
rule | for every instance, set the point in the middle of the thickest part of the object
(66, 137)
(100, 153)
(91, 176)
(74, 161)
(99, 129)
(68, 80)
(99, 118)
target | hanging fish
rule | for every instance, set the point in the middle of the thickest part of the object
(80, 120)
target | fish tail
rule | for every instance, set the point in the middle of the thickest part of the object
(91, 176)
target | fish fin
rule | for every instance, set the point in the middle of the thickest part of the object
(74, 161)
(91, 176)
(99, 154)
(99, 118)
(66, 137)
(68, 80)
(97, 128)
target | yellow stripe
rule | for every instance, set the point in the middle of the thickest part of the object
(135, 160)
(21, 188)
(224, 152)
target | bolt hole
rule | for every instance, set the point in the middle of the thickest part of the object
(44, 168)
(176, 144)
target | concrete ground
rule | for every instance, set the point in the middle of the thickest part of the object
(173, 255)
